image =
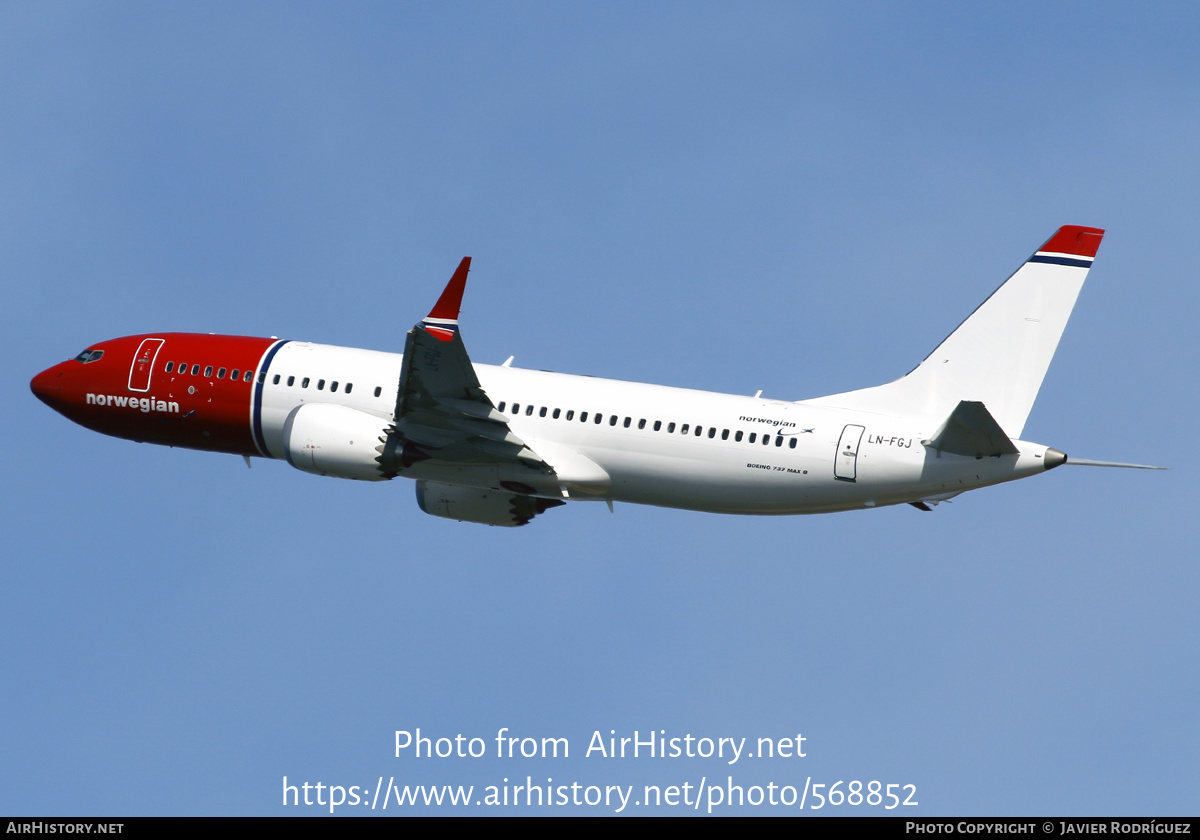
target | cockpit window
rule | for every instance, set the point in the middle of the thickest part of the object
(89, 356)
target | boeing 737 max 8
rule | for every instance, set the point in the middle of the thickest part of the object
(499, 445)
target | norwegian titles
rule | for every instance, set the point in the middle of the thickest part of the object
(142, 404)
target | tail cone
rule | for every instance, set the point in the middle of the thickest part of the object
(1053, 458)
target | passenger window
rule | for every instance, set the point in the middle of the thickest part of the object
(753, 435)
(529, 410)
(627, 420)
(766, 439)
(671, 428)
(724, 434)
(737, 436)
(320, 384)
(516, 408)
(571, 414)
(208, 370)
(583, 417)
(291, 381)
(699, 429)
(170, 367)
(612, 421)
(599, 417)
(641, 424)
(304, 382)
(275, 381)
(248, 374)
(501, 406)
(235, 374)
(378, 390)
(333, 386)
(195, 370)
(657, 425)
(349, 386)
(262, 377)
(556, 413)
(791, 443)
(220, 373)
(542, 413)
(779, 441)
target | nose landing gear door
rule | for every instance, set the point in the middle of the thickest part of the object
(845, 464)
(143, 363)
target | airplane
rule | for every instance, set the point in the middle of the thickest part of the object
(499, 445)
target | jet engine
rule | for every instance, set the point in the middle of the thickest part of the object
(474, 504)
(335, 440)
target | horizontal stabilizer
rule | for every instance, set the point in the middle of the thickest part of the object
(1084, 462)
(972, 431)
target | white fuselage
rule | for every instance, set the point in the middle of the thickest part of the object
(657, 445)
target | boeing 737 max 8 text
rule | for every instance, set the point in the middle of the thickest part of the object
(499, 445)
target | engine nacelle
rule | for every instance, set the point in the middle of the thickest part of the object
(474, 504)
(334, 440)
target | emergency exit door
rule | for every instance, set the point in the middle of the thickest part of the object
(845, 463)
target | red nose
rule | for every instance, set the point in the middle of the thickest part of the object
(47, 385)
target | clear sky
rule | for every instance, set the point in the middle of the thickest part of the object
(797, 198)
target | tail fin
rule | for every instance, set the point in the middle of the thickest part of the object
(1000, 354)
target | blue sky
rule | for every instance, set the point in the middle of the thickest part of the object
(797, 198)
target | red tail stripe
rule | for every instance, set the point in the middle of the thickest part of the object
(1075, 240)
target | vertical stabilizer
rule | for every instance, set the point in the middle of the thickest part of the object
(1000, 354)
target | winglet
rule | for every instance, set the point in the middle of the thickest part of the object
(442, 321)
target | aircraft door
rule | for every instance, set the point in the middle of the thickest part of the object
(143, 363)
(845, 464)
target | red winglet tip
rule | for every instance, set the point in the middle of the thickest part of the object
(1075, 240)
(451, 300)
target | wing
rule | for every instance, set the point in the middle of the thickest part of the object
(442, 414)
